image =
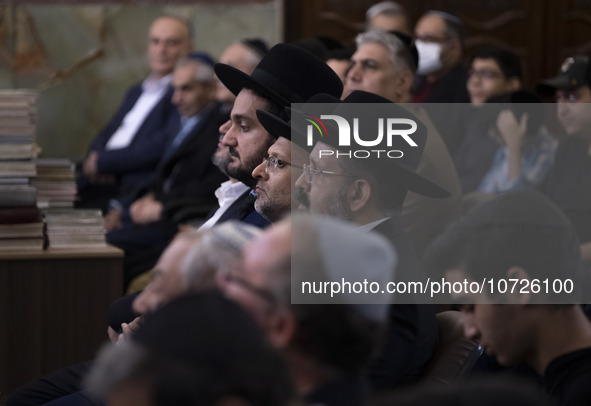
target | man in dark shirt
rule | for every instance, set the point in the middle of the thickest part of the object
(125, 153)
(522, 236)
(440, 75)
(568, 183)
(370, 193)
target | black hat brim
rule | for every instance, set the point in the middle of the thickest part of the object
(561, 82)
(274, 125)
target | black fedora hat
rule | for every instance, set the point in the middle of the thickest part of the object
(279, 128)
(403, 170)
(287, 74)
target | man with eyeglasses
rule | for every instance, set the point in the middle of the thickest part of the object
(568, 183)
(276, 177)
(385, 64)
(494, 71)
(370, 193)
(327, 344)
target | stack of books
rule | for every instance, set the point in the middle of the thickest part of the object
(55, 183)
(20, 226)
(74, 228)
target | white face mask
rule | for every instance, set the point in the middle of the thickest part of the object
(429, 57)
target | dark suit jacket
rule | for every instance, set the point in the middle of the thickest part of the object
(135, 163)
(188, 175)
(189, 171)
(412, 333)
(447, 116)
(243, 210)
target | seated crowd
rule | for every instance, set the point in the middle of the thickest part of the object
(224, 207)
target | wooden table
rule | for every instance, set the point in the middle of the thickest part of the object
(53, 307)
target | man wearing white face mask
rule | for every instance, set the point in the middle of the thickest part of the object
(440, 77)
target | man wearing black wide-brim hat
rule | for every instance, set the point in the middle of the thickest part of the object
(370, 192)
(287, 74)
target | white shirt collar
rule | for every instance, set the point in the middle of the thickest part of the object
(370, 226)
(230, 191)
(154, 84)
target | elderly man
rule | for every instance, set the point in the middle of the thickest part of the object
(385, 64)
(440, 75)
(370, 193)
(201, 349)
(185, 172)
(189, 264)
(130, 146)
(326, 346)
(439, 40)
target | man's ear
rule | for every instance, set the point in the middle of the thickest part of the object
(358, 194)
(519, 289)
(281, 327)
(405, 82)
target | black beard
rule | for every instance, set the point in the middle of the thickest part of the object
(244, 174)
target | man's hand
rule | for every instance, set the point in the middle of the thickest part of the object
(129, 329)
(90, 166)
(513, 132)
(145, 210)
(112, 220)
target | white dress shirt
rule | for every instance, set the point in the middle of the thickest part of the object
(153, 90)
(227, 194)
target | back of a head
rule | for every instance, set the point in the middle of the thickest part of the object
(342, 333)
(516, 229)
(197, 350)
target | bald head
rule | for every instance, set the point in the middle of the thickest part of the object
(168, 40)
(240, 57)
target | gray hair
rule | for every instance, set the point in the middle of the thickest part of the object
(214, 249)
(204, 72)
(254, 56)
(390, 8)
(398, 54)
(113, 366)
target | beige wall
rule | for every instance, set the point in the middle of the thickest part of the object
(84, 57)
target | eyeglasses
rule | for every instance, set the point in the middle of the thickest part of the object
(309, 171)
(484, 74)
(272, 163)
(264, 294)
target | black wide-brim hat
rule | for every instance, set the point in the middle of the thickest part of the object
(401, 170)
(287, 74)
